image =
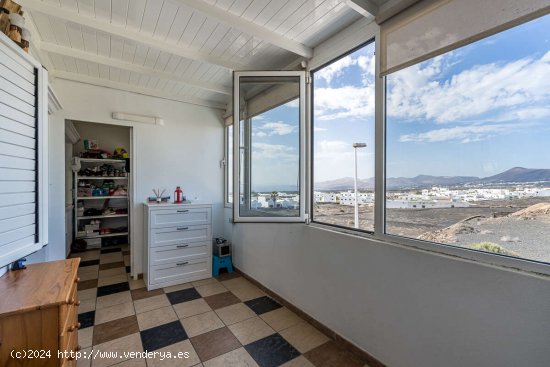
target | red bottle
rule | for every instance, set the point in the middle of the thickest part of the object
(178, 196)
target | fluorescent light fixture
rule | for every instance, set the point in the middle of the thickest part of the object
(138, 118)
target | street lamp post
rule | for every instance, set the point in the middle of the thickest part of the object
(355, 146)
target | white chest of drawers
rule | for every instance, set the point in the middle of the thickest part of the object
(178, 246)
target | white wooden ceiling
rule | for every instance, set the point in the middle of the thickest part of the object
(181, 49)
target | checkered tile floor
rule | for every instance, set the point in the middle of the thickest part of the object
(223, 321)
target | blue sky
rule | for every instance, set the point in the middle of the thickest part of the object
(476, 111)
(275, 146)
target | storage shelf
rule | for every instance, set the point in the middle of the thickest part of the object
(97, 160)
(100, 197)
(103, 235)
(102, 216)
(80, 218)
(101, 178)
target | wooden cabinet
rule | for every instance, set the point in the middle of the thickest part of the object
(39, 315)
(179, 244)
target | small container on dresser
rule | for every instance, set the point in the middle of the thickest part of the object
(178, 247)
(39, 315)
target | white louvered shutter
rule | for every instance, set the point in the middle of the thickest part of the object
(23, 171)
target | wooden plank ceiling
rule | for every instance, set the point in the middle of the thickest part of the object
(184, 50)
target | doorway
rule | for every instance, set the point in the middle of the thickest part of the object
(99, 184)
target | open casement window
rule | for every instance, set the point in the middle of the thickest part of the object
(269, 146)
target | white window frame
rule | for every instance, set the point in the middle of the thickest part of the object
(227, 166)
(511, 263)
(311, 126)
(236, 147)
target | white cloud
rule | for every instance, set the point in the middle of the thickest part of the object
(335, 159)
(367, 64)
(275, 128)
(346, 102)
(335, 69)
(336, 148)
(464, 134)
(277, 152)
(260, 134)
(473, 94)
(295, 103)
(274, 164)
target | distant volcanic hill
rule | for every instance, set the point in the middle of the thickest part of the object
(519, 174)
(516, 174)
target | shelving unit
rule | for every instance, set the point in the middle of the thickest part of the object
(100, 197)
(104, 235)
(113, 220)
(101, 216)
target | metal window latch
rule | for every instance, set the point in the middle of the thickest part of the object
(183, 211)
(182, 246)
(181, 264)
(182, 228)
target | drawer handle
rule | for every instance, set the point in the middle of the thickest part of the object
(78, 348)
(182, 228)
(77, 303)
(181, 264)
(74, 327)
(182, 246)
(72, 301)
(183, 211)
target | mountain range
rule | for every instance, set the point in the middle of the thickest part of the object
(513, 175)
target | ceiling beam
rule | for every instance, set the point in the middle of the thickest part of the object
(249, 27)
(36, 43)
(133, 89)
(108, 61)
(364, 7)
(136, 36)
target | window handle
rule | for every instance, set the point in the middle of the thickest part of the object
(182, 246)
(183, 211)
(181, 264)
(182, 228)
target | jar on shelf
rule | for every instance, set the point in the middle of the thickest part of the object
(11, 6)
(4, 20)
(25, 39)
(16, 27)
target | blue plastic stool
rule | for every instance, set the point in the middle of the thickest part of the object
(221, 262)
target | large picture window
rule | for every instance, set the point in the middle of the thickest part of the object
(343, 141)
(467, 135)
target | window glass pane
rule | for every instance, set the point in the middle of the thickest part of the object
(270, 147)
(343, 103)
(467, 146)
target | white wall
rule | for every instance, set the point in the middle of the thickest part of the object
(405, 307)
(185, 151)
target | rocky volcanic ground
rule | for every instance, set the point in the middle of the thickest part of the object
(526, 232)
